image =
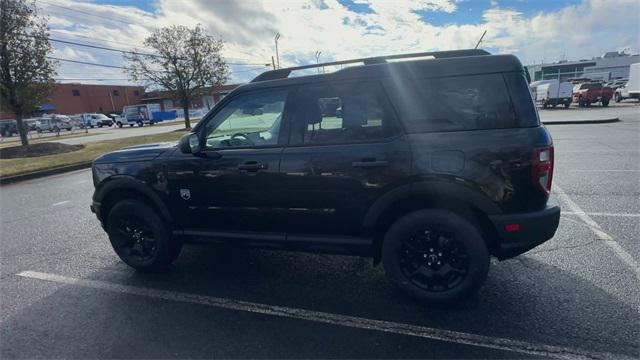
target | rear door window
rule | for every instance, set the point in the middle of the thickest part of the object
(454, 103)
(344, 112)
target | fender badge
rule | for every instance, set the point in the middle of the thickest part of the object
(185, 194)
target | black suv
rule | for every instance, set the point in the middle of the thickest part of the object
(430, 166)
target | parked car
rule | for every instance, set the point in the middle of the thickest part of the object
(621, 93)
(116, 119)
(54, 123)
(615, 84)
(554, 93)
(95, 119)
(433, 166)
(593, 92)
(8, 128)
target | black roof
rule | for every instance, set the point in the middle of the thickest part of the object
(479, 62)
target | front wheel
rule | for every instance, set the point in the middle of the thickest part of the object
(119, 124)
(140, 237)
(435, 256)
(618, 98)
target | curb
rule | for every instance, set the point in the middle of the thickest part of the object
(578, 122)
(42, 173)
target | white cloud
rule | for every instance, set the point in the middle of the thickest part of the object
(248, 27)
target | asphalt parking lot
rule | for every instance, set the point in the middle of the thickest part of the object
(65, 294)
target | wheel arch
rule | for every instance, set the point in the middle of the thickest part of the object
(120, 188)
(430, 195)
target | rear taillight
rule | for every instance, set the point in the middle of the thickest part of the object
(542, 168)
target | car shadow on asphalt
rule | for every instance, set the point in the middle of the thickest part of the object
(524, 299)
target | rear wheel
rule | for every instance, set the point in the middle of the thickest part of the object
(435, 256)
(605, 103)
(140, 237)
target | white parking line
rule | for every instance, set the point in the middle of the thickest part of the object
(621, 253)
(602, 214)
(601, 170)
(333, 319)
(61, 203)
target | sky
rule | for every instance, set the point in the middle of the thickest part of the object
(534, 30)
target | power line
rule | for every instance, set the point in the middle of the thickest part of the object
(86, 79)
(86, 63)
(86, 13)
(135, 52)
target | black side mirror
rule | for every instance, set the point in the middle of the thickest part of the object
(189, 144)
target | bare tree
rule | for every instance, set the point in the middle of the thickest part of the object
(187, 61)
(26, 75)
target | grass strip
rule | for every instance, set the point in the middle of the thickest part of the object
(10, 167)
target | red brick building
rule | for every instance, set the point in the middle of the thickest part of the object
(73, 98)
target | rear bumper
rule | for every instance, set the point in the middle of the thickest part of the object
(535, 228)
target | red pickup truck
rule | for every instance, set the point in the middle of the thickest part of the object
(589, 93)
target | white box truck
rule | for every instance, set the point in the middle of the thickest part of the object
(554, 93)
(633, 85)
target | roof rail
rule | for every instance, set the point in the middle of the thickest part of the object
(285, 72)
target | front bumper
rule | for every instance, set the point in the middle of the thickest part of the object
(534, 229)
(95, 208)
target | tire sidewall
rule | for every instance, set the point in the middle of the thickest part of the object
(439, 220)
(163, 255)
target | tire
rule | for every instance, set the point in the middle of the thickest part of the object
(605, 103)
(618, 98)
(140, 237)
(566, 105)
(91, 126)
(140, 124)
(131, 125)
(430, 239)
(544, 105)
(119, 124)
(100, 125)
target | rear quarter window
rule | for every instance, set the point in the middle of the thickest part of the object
(461, 103)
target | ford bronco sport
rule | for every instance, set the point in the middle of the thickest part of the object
(430, 166)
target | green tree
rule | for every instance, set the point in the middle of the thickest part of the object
(186, 61)
(26, 75)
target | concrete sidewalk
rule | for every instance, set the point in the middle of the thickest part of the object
(591, 115)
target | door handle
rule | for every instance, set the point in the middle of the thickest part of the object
(370, 163)
(252, 166)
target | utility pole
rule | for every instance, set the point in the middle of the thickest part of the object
(277, 55)
(318, 59)
(481, 37)
(273, 62)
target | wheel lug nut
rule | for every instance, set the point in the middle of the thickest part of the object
(424, 256)
(438, 263)
(429, 263)
(431, 250)
(439, 254)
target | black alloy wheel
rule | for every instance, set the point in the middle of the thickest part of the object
(433, 261)
(135, 239)
(436, 256)
(141, 237)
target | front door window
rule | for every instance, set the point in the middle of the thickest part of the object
(251, 120)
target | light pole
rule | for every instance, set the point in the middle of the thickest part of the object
(318, 59)
(277, 56)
